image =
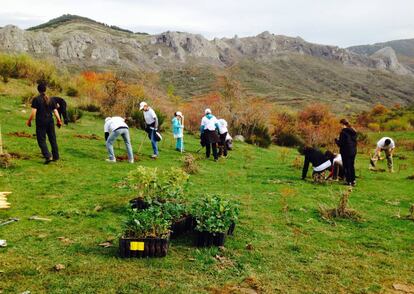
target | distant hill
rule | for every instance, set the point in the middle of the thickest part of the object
(403, 48)
(280, 68)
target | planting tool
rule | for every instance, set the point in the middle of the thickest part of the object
(34, 217)
(11, 220)
(140, 146)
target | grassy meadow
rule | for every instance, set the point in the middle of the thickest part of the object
(280, 245)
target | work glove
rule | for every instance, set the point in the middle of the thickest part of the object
(29, 123)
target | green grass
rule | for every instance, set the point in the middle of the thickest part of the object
(294, 251)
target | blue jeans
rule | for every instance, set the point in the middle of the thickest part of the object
(111, 139)
(154, 142)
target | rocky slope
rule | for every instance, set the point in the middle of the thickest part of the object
(84, 43)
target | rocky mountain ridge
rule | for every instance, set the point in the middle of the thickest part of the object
(85, 44)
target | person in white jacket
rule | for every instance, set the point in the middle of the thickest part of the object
(114, 127)
(209, 136)
(223, 132)
(387, 145)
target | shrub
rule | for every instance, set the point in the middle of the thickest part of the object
(90, 107)
(288, 139)
(148, 223)
(375, 127)
(396, 125)
(214, 215)
(255, 134)
(173, 211)
(72, 92)
(74, 114)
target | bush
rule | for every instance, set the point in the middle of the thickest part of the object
(255, 134)
(396, 125)
(214, 214)
(288, 140)
(190, 165)
(90, 108)
(74, 114)
(28, 97)
(72, 92)
(375, 127)
(139, 121)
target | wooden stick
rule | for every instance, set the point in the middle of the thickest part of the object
(1, 143)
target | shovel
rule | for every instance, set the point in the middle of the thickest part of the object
(11, 220)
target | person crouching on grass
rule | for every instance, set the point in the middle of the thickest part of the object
(114, 127)
(42, 109)
(320, 163)
(387, 145)
(178, 128)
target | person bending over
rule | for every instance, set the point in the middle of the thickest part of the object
(320, 163)
(114, 127)
(387, 145)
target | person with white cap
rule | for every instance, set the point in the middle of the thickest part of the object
(209, 137)
(114, 127)
(151, 121)
(177, 128)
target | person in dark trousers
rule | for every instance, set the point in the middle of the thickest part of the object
(223, 131)
(320, 162)
(61, 108)
(347, 143)
(43, 109)
(209, 133)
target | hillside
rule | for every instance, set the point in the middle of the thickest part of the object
(280, 245)
(280, 68)
(403, 48)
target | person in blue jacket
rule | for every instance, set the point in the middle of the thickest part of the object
(178, 130)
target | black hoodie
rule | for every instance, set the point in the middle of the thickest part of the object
(313, 156)
(347, 141)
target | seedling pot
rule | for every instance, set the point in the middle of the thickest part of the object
(183, 225)
(139, 203)
(207, 239)
(143, 247)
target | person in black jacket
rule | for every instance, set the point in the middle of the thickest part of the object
(320, 162)
(61, 108)
(43, 109)
(347, 144)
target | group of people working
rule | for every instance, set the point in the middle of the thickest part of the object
(214, 132)
(214, 137)
(342, 165)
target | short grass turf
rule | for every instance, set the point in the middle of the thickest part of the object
(280, 245)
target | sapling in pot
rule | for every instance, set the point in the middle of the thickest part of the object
(214, 217)
(146, 233)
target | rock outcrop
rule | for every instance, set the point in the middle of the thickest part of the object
(92, 45)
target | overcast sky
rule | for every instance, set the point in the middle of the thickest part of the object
(334, 22)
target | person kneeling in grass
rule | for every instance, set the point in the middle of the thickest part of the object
(114, 127)
(320, 163)
(387, 145)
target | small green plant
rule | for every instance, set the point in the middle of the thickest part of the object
(214, 214)
(74, 114)
(174, 211)
(148, 223)
(158, 186)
